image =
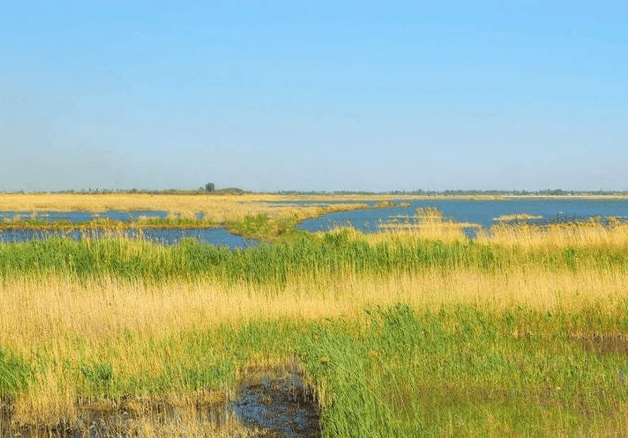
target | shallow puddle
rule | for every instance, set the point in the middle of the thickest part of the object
(284, 406)
(269, 403)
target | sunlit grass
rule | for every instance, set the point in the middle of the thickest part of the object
(517, 217)
(592, 233)
(520, 332)
(430, 223)
(216, 208)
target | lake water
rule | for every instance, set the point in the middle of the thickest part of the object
(484, 212)
(162, 236)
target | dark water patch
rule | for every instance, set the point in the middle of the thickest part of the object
(267, 405)
(161, 236)
(284, 406)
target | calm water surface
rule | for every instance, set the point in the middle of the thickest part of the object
(166, 236)
(484, 213)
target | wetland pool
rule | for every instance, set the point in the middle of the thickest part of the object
(272, 405)
(80, 216)
(162, 236)
(482, 212)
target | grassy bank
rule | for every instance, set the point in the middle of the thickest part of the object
(521, 332)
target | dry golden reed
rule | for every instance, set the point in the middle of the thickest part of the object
(217, 207)
(71, 323)
(607, 234)
(428, 223)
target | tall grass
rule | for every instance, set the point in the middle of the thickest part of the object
(464, 372)
(216, 208)
(521, 332)
(390, 371)
(330, 255)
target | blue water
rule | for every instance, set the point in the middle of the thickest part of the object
(483, 212)
(169, 236)
(212, 236)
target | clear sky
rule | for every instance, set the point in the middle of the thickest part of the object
(314, 95)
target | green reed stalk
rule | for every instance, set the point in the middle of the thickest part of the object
(300, 257)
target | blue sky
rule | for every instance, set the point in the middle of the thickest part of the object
(314, 95)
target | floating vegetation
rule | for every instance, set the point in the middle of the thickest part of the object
(517, 217)
(429, 222)
(392, 204)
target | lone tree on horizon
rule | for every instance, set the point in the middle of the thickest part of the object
(210, 187)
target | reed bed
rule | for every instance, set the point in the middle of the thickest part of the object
(520, 332)
(335, 255)
(517, 217)
(430, 223)
(217, 208)
(594, 232)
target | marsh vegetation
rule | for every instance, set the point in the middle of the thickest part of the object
(416, 331)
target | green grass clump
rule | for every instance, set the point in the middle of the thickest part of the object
(260, 226)
(299, 255)
(15, 374)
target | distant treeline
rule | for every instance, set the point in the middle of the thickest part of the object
(209, 189)
(545, 192)
(200, 190)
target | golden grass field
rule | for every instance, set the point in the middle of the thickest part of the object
(219, 208)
